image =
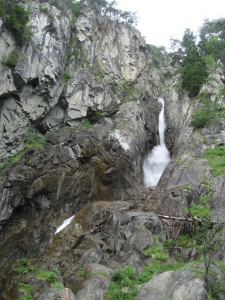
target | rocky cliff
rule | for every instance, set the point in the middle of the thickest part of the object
(78, 115)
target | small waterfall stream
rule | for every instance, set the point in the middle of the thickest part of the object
(64, 224)
(159, 157)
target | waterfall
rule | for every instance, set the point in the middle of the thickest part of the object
(157, 160)
(64, 224)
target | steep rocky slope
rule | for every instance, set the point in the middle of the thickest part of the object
(78, 115)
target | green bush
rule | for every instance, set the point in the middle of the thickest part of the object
(11, 60)
(66, 76)
(209, 114)
(16, 24)
(23, 266)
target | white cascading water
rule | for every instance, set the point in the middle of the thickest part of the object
(157, 160)
(64, 224)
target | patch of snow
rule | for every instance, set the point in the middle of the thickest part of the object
(64, 224)
(123, 141)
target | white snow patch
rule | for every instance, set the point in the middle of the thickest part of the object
(123, 141)
(64, 224)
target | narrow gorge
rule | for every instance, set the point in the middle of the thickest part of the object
(79, 128)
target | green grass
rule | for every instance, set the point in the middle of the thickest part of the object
(216, 158)
(200, 210)
(157, 252)
(57, 285)
(47, 275)
(122, 285)
(26, 288)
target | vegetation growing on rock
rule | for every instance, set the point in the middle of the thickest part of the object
(15, 21)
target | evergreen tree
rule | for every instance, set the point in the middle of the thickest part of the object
(193, 70)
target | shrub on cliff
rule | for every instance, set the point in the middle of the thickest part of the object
(16, 22)
(209, 114)
(11, 60)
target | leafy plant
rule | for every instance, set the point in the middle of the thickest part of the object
(16, 22)
(23, 266)
(11, 60)
(81, 271)
(66, 76)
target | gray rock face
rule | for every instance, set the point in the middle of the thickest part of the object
(34, 92)
(94, 288)
(192, 290)
(53, 294)
(173, 285)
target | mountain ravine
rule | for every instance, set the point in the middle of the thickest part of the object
(78, 115)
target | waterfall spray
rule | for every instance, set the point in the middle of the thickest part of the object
(157, 160)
